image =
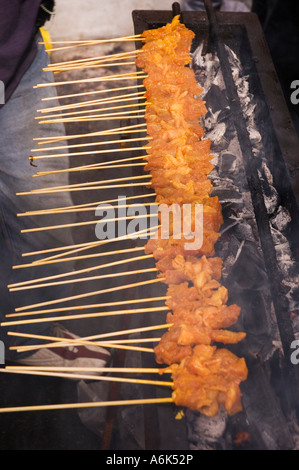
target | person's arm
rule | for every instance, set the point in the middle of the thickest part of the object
(17, 46)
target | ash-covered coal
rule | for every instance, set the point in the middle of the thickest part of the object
(264, 420)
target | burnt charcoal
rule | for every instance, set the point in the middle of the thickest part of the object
(226, 194)
(217, 100)
(281, 219)
(249, 270)
(263, 411)
(296, 293)
(227, 163)
(271, 197)
(207, 433)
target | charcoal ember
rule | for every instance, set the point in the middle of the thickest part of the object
(295, 323)
(249, 269)
(281, 219)
(216, 135)
(263, 423)
(266, 418)
(264, 411)
(227, 194)
(271, 196)
(227, 165)
(207, 69)
(207, 433)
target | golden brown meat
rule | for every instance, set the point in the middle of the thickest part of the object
(208, 379)
(179, 161)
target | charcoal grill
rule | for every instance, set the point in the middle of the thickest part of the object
(256, 180)
(255, 267)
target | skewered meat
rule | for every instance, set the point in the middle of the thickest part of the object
(205, 376)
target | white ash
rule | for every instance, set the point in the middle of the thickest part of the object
(216, 134)
(281, 219)
(208, 72)
(210, 432)
(230, 184)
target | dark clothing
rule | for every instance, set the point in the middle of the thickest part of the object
(18, 19)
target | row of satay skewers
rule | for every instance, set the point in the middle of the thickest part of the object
(179, 160)
(178, 163)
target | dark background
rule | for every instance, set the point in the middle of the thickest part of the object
(280, 22)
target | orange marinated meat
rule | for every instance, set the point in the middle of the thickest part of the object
(195, 313)
(208, 379)
(160, 247)
(168, 351)
(179, 161)
(198, 270)
(183, 295)
(172, 40)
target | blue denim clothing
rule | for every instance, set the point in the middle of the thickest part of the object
(18, 128)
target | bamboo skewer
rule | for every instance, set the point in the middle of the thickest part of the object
(68, 341)
(124, 370)
(112, 186)
(90, 183)
(113, 342)
(84, 224)
(77, 64)
(84, 279)
(103, 58)
(90, 41)
(81, 186)
(89, 306)
(117, 130)
(95, 166)
(77, 207)
(82, 209)
(101, 344)
(78, 185)
(86, 405)
(80, 113)
(65, 155)
(80, 247)
(90, 168)
(99, 184)
(134, 341)
(88, 294)
(93, 62)
(89, 144)
(55, 260)
(84, 188)
(120, 76)
(83, 104)
(93, 92)
(89, 269)
(89, 377)
(46, 261)
(74, 44)
(82, 316)
(136, 114)
(87, 341)
(91, 65)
